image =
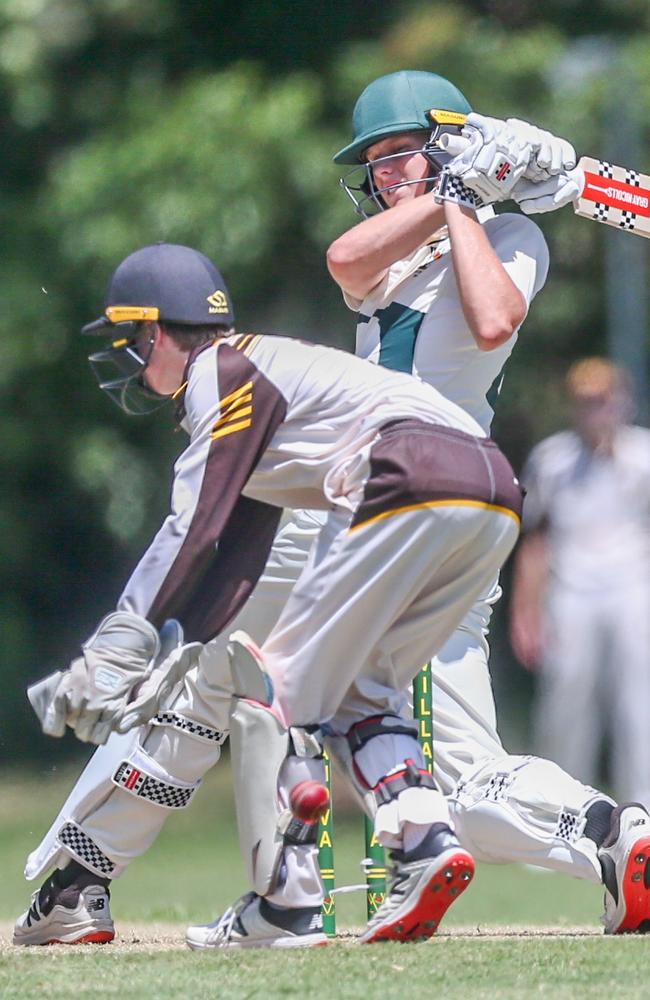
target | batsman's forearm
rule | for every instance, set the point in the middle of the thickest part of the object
(359, 258)
(492, 304)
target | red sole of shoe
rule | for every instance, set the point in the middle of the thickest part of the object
(96, 937)
(636, 888)
(435, 899)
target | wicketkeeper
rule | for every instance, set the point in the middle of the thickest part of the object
(422, 509)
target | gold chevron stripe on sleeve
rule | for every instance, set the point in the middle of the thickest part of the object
(244, 341)
(236, 412)
(230, 429)
(235, 396)
(256, 339)
(233, 415)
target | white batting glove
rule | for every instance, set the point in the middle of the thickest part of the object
(92, 696)
(534, 197)
(551, 154)
(494, 159)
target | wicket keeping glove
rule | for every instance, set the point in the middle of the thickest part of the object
(119, 674)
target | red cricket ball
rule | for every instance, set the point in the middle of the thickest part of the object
(309, 800)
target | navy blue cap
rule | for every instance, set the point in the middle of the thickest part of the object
(167, 282)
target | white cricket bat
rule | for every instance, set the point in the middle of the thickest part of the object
(617, 196)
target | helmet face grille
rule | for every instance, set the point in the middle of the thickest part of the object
(119, 373)
(360, 186)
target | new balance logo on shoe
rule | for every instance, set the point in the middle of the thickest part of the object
(96, 904)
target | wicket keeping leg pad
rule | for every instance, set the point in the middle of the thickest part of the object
(249, 678)
(92, 787)
(259, 745)
(529, 810)
(162, 776)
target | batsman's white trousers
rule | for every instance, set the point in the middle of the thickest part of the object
(505, 808)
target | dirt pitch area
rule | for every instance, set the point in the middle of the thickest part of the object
(153, 937)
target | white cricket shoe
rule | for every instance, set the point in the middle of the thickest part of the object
(251, 922)
(625, 861)
(72, 916)
(425, 884)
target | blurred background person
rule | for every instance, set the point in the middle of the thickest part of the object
(580, 612)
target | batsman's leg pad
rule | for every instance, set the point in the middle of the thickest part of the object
(299, 883)
(259, 745)
(407, 797)
(250, 679)
(339, 751)
(526, 809)
(369, 750)
(399, 796)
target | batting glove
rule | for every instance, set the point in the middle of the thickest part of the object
(493, 160)
(534, 197)
(550, 154)
(452, 189)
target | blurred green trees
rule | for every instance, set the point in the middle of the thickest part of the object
(214, 124)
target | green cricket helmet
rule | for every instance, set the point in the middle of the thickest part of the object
(406, 101)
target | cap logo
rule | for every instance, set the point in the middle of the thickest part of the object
(446, 117)
(131, 314)
(218, 303)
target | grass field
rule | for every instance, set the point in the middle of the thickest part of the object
(515, 933)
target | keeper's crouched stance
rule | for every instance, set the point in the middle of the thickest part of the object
(422, 511)
(387, 584)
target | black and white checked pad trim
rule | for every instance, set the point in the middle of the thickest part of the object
(73, 838)
(190, 727)
(162, 793)
(498, 786)
(569, 826)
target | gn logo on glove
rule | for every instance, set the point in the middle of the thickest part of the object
(218, 302)
(503, 170)
(236, 412)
